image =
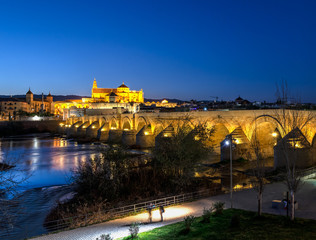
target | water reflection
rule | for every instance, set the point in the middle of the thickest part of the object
(45, 161)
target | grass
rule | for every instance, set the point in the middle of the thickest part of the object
(251, 227)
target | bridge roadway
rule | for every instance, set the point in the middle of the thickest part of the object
(142, 128)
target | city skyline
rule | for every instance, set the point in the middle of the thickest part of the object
(184, 50)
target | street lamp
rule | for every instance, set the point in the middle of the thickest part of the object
(229, 142)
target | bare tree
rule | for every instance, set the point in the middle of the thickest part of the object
(259, 169)
(10, 178)
(293, 125)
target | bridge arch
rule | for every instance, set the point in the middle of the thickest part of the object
(113, 124)
(127, 124)
(141, 122)
(267, 131)
(219, 134)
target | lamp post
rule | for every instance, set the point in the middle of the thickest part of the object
(229, 141)
(231, 168)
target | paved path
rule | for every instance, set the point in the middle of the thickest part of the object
(245, 199)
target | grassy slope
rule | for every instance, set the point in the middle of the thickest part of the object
(269, 227)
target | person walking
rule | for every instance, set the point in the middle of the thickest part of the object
(149, 213)
(162, 210)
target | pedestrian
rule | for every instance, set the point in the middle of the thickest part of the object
(149, 213)
(162, 210)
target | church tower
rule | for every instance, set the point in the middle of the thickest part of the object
(95, 84)
(49, 98)
(29, 97)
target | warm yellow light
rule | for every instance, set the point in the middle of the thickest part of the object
(237, 141)
(165, 135)
(126, 129)
(274, 134)
(93, 126)
(298, 145)
(84, 127)
(146, 133)
(77, 126)
(113, 128)
(196, 138)
(61, 124)
(103, 129)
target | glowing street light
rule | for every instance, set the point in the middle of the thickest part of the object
(274, 134)
(231, 168)
(229, 142)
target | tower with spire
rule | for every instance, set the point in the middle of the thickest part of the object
(95, 83)
(29, 97)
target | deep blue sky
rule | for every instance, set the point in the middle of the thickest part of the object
(176, 49)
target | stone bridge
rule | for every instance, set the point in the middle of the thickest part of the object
(143, 128)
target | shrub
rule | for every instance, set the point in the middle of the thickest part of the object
(207, 213)
(218, 207)
(188, 220)
(134, 229)
(105, 237)
(235, 221)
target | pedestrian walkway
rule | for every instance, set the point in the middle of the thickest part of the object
(245, 199)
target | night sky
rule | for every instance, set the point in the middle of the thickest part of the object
(174, 49)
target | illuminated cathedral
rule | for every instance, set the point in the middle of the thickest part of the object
(122, 94)
(102, 99)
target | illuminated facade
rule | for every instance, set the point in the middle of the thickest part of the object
(102, 99)
(122, 94)
(164, 103)
(12, 107)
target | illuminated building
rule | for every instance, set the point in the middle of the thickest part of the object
(102, 101)
(12, 107)
(121, 94)
(164, 103)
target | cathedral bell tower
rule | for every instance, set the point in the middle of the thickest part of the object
(95, 86)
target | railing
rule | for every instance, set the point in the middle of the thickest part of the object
(103, 215)
(96, 217)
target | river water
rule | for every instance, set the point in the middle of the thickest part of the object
(47, 164)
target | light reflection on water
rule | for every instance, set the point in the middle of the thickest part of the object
(45, 161)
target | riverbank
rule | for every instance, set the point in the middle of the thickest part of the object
(12, 128)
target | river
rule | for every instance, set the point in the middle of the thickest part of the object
(47, 164)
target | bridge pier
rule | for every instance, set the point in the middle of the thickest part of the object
(115, 136)
(72, 131)
(62, 129)
(103, 135)
(92, 132)
(129, 138)
(167, 132)
(81, 132)
(145, 138)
